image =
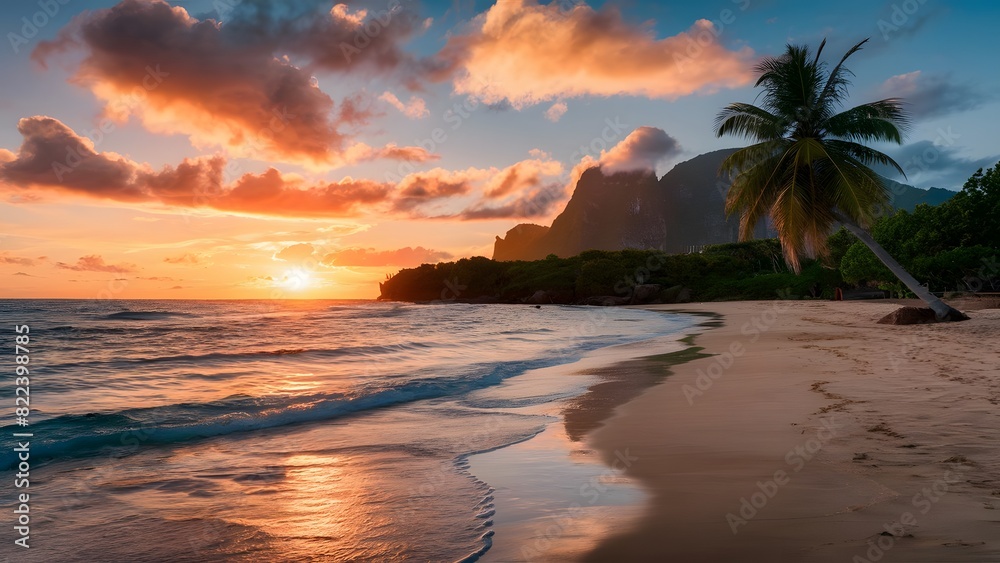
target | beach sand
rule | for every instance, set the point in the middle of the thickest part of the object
(815, 434)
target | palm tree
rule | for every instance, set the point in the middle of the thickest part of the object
(808, 168)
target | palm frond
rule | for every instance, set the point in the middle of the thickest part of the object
(865, 155)
(751, 156)
(884, 120)
(808, 163)
(749, 121)
(855, 189)
(835, 89)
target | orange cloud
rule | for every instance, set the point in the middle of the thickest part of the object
(295, 252)
(95, 263)
(180, 75)
(369, 257)
(556, 111)
(188, 258)
(421, 188)
(416, 108)
(273, 194)
(7, 258)
(53, 157)
(526, 53)
(521, 176)
(528, 188)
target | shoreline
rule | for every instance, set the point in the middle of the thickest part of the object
(553, 496)
(813, 434)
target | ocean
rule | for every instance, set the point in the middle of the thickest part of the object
(283, 430)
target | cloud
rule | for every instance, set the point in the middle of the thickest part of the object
(525, 189)
(642, 149)
(538, 202)
(416, 108)
(556, 111)
(52, 154)
(527, 53)
(95, 263)
(339, 39)
(181, 75)
(408, 154)
(369, 257)
(7, 258)
(259, 282)
(53, 157)
(273, 193)
(23, 274)
(521, 176)
(343, 229)
(295, 252)
(935, 165)
(933, 95)
(421, 188)
(192, 259)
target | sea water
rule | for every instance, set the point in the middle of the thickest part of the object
(281, 430)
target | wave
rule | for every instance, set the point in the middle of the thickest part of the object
(88, 434)
(146, 315)
(70, 332)
(369, 311)
(234, 357)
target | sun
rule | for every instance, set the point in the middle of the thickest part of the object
(296, 279)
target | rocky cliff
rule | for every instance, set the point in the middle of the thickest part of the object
(680, 212)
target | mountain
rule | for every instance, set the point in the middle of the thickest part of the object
(907, 197)
(680, 212)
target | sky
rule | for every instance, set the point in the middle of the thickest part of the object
(239, 149)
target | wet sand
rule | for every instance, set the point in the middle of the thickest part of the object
(814, 434)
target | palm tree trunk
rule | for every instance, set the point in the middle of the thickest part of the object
(940, 308)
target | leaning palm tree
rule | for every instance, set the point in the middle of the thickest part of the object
(807, 168)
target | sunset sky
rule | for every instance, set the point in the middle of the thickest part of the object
(305, 149)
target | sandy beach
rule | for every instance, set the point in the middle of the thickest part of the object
(814, 434)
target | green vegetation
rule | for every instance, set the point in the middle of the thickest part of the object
(809, 166)
(954, 246)
(750, 270)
